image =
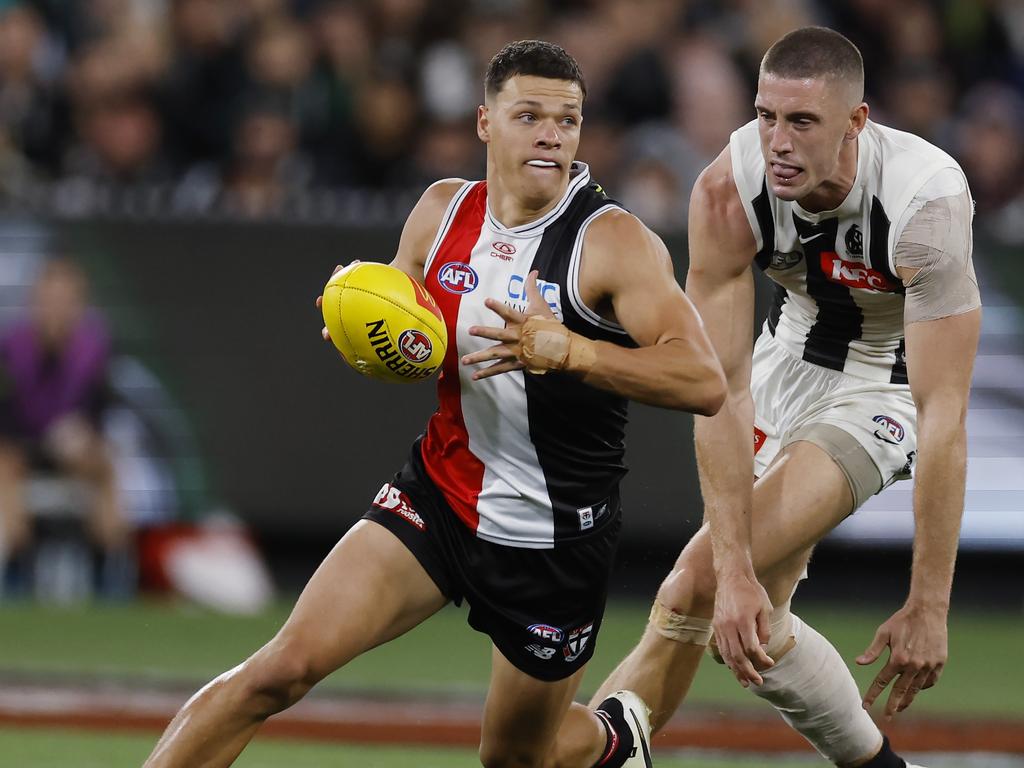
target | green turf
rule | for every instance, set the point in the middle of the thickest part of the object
(163, 641)
(59, 748)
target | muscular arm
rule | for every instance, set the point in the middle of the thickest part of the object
(422, 225)
(943, 317)
(626, 270)
(720, 282)
(675, 365)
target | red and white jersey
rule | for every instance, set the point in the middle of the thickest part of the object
(523, 460)
(838, 302)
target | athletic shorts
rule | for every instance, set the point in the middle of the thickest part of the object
(542, 608)
(790, 393)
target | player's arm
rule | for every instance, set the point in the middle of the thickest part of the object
(943, 314)
(626, 272)
(720, 283)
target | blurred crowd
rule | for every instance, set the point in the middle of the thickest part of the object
(256, 107)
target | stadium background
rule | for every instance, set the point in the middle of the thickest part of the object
(210, 161)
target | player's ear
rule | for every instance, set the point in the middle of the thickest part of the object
(483, 123)
(858, 119)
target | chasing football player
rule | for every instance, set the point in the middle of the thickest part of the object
(862, 370)
(560, 308)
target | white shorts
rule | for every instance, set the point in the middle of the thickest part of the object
(790, 394)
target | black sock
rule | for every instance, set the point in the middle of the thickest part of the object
(885, 758)
(618, 746)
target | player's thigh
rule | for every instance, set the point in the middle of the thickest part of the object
(801, 496)
(522, 713)
(368, 590)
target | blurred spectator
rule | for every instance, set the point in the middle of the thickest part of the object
(53, 395)
(374, 92)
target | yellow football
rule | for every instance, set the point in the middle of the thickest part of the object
(384, 323)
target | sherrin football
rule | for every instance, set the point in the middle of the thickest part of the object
(384, 323)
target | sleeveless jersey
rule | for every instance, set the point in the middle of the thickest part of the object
(838, 301)
(523, 460)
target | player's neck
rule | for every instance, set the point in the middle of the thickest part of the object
(830, 194)
(512, 209)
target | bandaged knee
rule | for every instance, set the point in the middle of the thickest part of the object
(813, 690)
(675, 626)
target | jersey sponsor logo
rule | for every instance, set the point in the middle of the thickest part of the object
(394, 500)
(414, 345)
(577, 642)
(783, 261)
(456, 277)
(891, 430)
(854, 241)
(759, 440)
(506, 248)
(542, 653)
(805, 240)
(853, 274)
(550, 292)
(546, 632)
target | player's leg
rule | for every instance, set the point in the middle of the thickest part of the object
(368, 590)
(790, 515)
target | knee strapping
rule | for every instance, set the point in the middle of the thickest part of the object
(675, 626)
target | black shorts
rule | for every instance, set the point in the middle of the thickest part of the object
(542, 608)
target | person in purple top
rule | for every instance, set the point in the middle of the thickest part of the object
(53, 391)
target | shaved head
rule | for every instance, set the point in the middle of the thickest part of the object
(817, 53)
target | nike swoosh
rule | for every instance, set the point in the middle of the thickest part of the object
(804, 240)
(643, 741)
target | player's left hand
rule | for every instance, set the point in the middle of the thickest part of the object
(918, 649)
(508, 352)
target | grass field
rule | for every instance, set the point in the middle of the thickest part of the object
(148, 643)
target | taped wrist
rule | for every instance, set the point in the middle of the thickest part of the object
(547, 345)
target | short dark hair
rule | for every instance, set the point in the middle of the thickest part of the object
(532, 57)
(816, 52)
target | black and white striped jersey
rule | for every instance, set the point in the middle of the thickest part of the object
(838, 302)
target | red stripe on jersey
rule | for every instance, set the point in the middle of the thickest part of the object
(446, 455)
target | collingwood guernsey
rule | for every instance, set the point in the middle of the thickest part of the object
(838, 301)
(523, 460)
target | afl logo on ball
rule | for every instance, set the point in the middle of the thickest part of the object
(415, 346)
(456, 277)
(891, 430)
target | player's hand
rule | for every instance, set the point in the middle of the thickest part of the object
(918, 649)
(508, 351)
(741, 624)
(320, 299)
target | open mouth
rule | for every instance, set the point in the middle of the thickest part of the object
(785, 172)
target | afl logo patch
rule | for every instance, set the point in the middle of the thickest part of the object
(456, 277)
(891, 430)
(415, 346)
(507, 248)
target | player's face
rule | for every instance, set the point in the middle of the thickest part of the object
(532, 131)
(803, 125)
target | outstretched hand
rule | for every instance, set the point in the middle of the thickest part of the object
(508, 352)
(741, 623)
(918, 649)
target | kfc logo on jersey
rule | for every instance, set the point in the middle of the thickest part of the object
(546, 632)
(415, 346)
(394, 500)
(853, 274)
(891, 431)
(456, 277)
(577, 642)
